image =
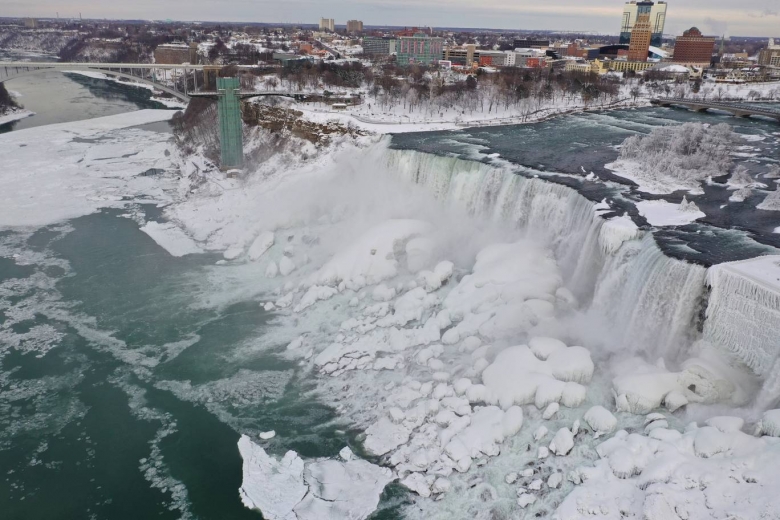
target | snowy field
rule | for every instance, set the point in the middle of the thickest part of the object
(506, 351)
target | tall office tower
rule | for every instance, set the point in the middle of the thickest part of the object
(641, 33)
(657, 20)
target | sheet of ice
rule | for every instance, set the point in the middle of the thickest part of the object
(291, 489)
(57, 172)
(663, 213)
(170, 237)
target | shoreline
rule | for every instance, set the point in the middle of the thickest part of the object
(15, 115)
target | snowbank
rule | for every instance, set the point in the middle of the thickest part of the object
(171, 238)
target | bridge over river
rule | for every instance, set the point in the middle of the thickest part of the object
(181, 82)
(736, 108)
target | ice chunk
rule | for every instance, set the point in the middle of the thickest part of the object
(384, 436)
(540, 432)
(272, 486)
(563, 442)
(417, 483)
(550, 411)
(172, 238)
(260, 245)
(510, 478)
(600, 420)
(525, 500)
(555, 480)
(268, 435)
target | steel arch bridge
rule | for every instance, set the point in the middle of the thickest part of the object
(162, 77)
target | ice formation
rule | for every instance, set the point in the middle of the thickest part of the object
(291, 489)
(704, 472)
(671, 158)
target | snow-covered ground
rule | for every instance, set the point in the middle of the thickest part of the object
(505, 350)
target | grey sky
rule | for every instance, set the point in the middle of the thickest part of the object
(743, 17)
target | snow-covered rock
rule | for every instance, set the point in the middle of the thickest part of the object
(600, 420)
(260, 245)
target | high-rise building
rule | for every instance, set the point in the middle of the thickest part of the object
(354, 26)
(693, 49)
(770, 55)
(641, 33)
(419, 48)
(327, 24)
(657, 20)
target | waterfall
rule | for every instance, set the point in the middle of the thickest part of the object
(646, 300)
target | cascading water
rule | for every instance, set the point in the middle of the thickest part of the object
(647, 300)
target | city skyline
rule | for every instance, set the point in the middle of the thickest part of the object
(748, 18)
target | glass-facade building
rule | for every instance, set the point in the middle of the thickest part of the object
(631, 12)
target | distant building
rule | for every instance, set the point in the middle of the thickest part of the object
(525, 43)
(693, 49)
(771, 55)
(327, 24)
(354, 26)
(176, 53)
(419, 48)
(374, 46)
(31, 23)
(657, 19)
(461, 56)
(641, 33)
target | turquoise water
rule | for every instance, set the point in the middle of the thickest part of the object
(118, 419)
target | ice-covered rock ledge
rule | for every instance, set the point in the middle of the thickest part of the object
(743, 314)
(294, 489)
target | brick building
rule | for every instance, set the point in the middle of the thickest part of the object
(693, 49)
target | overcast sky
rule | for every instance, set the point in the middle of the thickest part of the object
(732, 17)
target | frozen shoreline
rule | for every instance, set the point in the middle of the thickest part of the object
(15, 115)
